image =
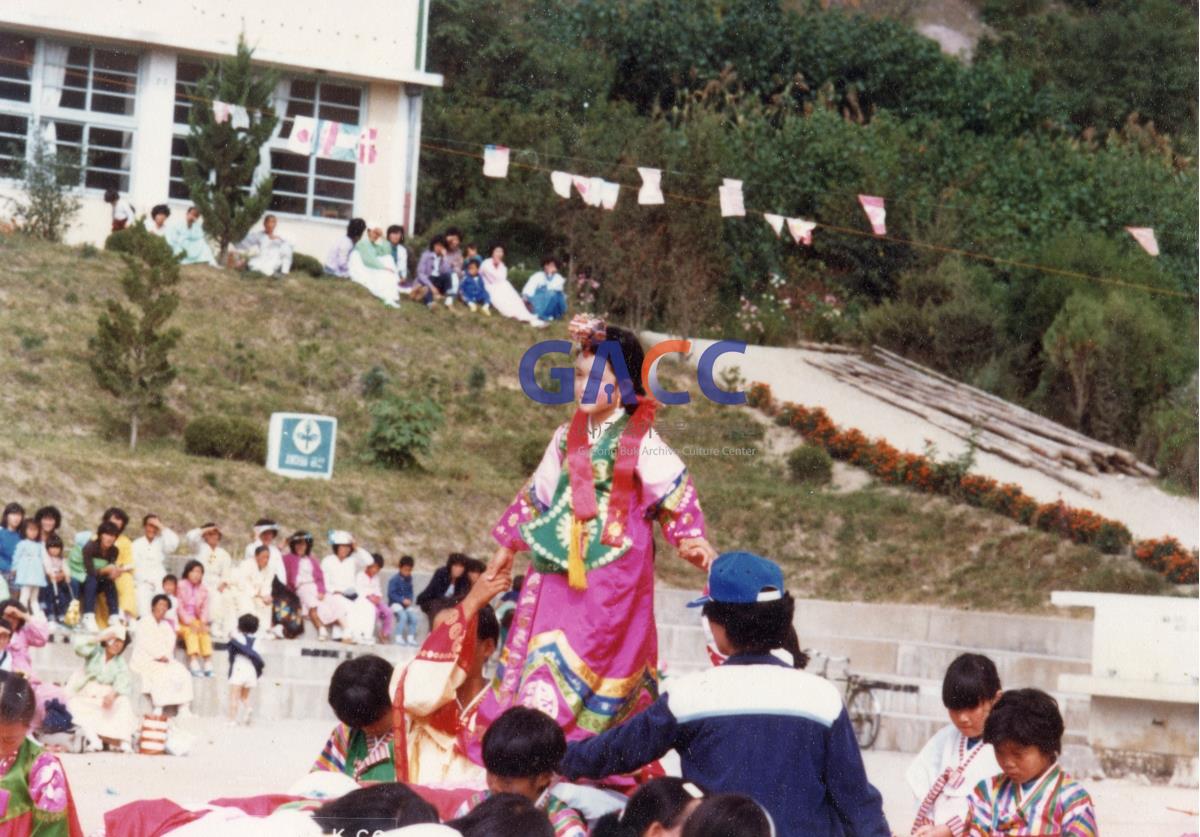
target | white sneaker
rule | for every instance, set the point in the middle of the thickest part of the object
(487, 310)
(336, 632)
(322, 634)
(88, 623)
(277, 632)
(473, 307)
(539, 324)
(449, 302)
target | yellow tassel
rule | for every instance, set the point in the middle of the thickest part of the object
(576, 576)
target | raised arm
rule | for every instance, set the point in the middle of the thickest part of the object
(647, 736)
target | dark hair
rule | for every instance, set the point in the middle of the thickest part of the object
(523, 743)
(518, 582)
(634, 356)
(355, 229)
(160, 209)
(148, 518)
(7, 626)
(52, 541)
(377, 559)
(119, 514)
(458, 558)
(395, 228)
(12, 508)
(549, 258)
(191, 565)
(31, 523)
(170, 577)
(661, 801)
(453, 231)
(260, 549)
(504, 815)
(728, 814)
(264, 521)
(491, 248)
(474, 260)
(360, 690)
(248, 623)
(370, 810)
(757, 628)
(1030, 717)
(474, 565)
(407, 561)
(305, 538)
(437, 239)
(160, 597)
(970, 680)
(111, 195)
(53, 512)
(17, 703)
(108, 528)
(270, 217)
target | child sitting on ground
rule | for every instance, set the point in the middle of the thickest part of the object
(1033, 795)
(195, 624)
(368, 587)
(521, 751)
(245, 667)
(472, 289)
(956, 759)
(403, 603)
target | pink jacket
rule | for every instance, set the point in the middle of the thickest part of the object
(31, 635)
(291, 565)
(193, 602)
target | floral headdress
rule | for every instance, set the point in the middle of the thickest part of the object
(588, 331)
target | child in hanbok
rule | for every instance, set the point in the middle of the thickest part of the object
(1033, 795)
(165, 680)
(101, 690)
(583, 647)
(195, 622)
(370, 591)
(956, 759)
(361, 744)
(29, 566)
(35, 798)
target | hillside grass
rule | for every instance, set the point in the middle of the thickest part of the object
(253, 346)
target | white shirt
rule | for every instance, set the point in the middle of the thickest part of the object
(342, 575)
(541, 279)
(275, 562)
(149, 556)
(122, 210)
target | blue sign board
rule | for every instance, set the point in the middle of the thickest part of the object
(302, 445)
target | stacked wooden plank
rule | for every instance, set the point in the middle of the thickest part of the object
(992, 424)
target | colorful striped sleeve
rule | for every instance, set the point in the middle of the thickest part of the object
(565, 820)
(979, 811)
(1078, 813)
(333, 756)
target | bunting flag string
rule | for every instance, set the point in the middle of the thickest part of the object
(221, 111)
(609, 194)
(239, 118)
(303, 135)
(801, 230)
(876, 213)
(1145, 237)
(651, 192)
(338, 141)
(561, 181)
(732, 202)
(582, 185)
(495, 161)
(368, 153)
(776, 222)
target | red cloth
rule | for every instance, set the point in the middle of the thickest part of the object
(446, 800)
(147, 818)
(256, 806)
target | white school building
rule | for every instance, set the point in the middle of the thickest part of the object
(114, 80)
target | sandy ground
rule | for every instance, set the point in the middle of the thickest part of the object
(268, 758)
(1148, 511)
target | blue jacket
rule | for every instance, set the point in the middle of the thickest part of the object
(8, 545)
(753, 726)
(399, 589)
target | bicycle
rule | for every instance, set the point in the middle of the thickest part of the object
(862, 707)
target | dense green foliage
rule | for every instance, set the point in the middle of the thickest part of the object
(1033, 154)
(810, 464)
(226, 437)
(402, 429)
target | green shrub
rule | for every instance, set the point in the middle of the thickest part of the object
(402, 428)
(120, 241)
(477, 380)
(303, 263)
(810, 464)
(373, 382)
(226, 437)
(1169, 439)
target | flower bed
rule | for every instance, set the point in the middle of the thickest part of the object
(925, 473)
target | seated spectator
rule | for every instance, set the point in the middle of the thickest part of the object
(361, 745)
(10, 535)
(170, 589)
(337, 263)
(395, 238)
(305, 579)
(205, 542)
(544, 292)
(122, 209)
(38, 799)
(30, 631)
(265, 252)
(6, 633)
(372, 267)
(56, 595)
(150, 553)
(1033, 795)
(100, 564)
(126, 591)
(956, 759)
(504, 815)
(472, 289)
(157, 222)
(403, 603)
(100, 691)
(434, 277)
(250, 586)
(729, 813)
(29, 566)
(448, 582)
(521, 751)
(658, 808)
(164, 679)
(785, 730)
(195, 622)
(503, 296)
(189, 242)
(454, 259)
(370, 591)
(374, 810)
(341, 579)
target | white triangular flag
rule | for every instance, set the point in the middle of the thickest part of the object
(1145, 237)
(561, 181)
(732, 204)
(595, 191)
(239, 118)
(495, 161)
(221, 111)
(776, 222)
(303, 135)
(609, 194)
(801, 230)
(651, 192)
(876, 213)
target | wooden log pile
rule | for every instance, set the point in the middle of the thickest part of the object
(994, 425)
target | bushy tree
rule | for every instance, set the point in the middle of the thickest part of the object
(130, 353)
(47, 202)
(222, 158)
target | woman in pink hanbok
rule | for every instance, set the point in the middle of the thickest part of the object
(583, 646)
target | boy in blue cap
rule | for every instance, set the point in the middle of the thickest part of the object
(754, 725)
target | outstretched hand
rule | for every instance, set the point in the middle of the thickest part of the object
(496, 579)
(697, 551)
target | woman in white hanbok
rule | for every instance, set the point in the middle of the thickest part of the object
(505, 298)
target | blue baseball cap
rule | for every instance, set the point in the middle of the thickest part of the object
(742, 578)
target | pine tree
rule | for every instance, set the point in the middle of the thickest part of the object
(129, 354)
(223, 159)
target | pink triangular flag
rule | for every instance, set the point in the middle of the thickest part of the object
(303, 135)
(561, 181)
(582, 184)
(1145, 237)
(732, 202)
(801, 230)
(495, 161)
(651, 192)
(876, 213)
(367, 150)
(776, 222)
(221, 111)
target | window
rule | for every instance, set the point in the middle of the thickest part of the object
(311, 185)
(176, 188)
(100, 80)
(104, 153)
(16, 94)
